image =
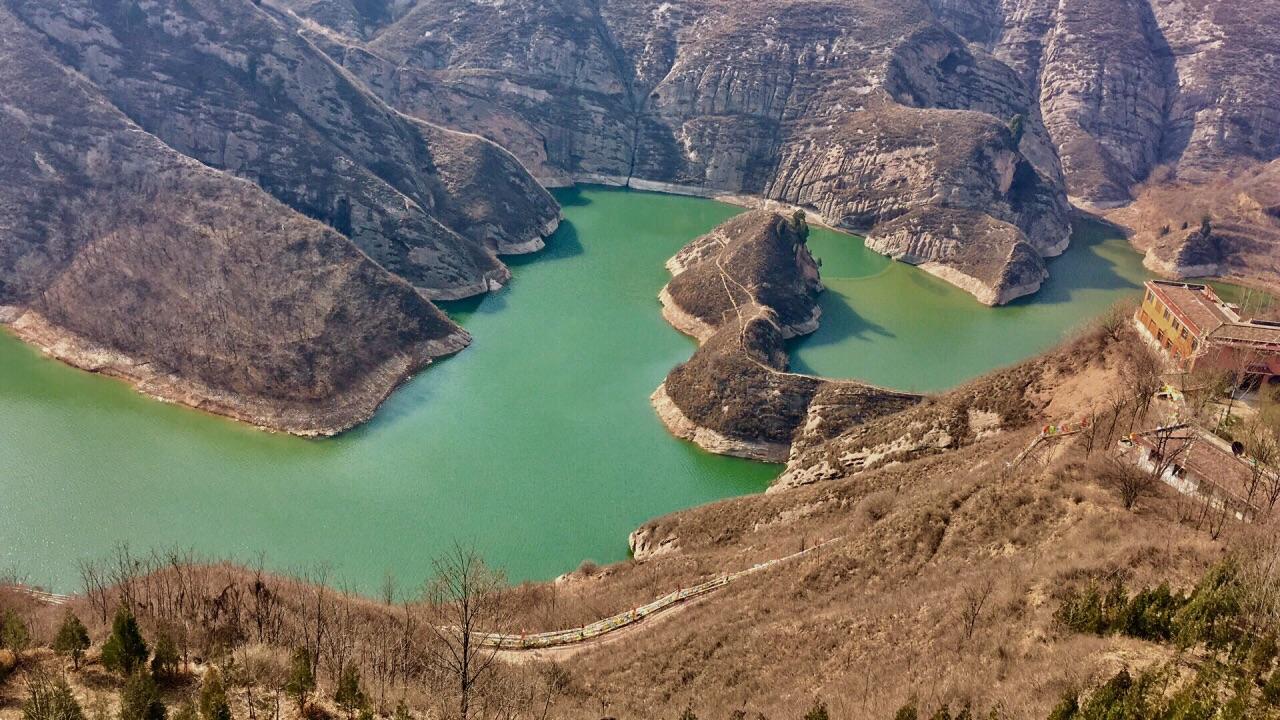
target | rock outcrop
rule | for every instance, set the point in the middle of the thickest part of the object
(832, 445)
(859, 113)
(742, 290)
(237, 88)
(990, 261)
(1128, 86)
(1168, 221)
(125, 257)
(129, 246)
(1195, 254)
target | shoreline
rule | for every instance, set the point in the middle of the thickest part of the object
(354, 408)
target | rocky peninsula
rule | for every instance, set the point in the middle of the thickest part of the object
(742, 290)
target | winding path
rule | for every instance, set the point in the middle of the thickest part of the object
(602, 628)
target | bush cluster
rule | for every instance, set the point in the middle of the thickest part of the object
(1209, 614)
(1236, 676)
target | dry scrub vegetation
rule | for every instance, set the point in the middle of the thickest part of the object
(943, 583)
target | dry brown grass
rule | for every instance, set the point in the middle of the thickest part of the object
(887, 612)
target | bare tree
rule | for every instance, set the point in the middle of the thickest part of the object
(1142, 375)
(972, 601)
(94, 582)
(1130, 482)
(1262, 451)
(465, 598)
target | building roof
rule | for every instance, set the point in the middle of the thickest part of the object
(1253, 332)
(1208, 458)
(1205, 314)
(1197, 306)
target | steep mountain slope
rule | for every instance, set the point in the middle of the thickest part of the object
(238, 89)
(120, 255)
(859, 113)
(854, 110)
(1128, 85)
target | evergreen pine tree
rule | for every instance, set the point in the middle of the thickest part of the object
(402, 712)
(72, 639)
(349, 696)
(164, 663)
(140, 698)
(213, 697)
(1067, 707)
(125, 651)
(13, 633)
(186, 711)
(302, 679)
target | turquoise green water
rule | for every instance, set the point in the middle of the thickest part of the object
(890, 324)
(537, 444)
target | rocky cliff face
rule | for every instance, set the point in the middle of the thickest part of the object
(1128, 85)
(129, 246)
(742, 290)
(238, 89)
(859, 113)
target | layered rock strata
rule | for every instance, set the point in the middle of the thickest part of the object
(859, 113)
(158, 165)
(742, 290)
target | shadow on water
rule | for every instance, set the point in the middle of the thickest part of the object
(1082, 267)
(839, 315)
(571, 196)
(563, 244)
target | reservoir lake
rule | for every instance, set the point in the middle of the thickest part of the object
(537, 444)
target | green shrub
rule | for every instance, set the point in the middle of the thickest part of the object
(140, 698)
(817, 712)
(125, 651)
(72, 639)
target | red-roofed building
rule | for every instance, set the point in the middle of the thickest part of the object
(1197, 327)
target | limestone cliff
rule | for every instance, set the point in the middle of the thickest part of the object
(858, 113)
(120, 255)
(742, 289)
(1127, 86)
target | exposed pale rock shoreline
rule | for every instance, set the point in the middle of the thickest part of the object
(681, 426)
(341, 412)
(741, 290)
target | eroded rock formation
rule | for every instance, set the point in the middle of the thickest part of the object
(742, 290)
(158, 164)
(859, 113)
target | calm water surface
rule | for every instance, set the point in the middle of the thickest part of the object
(890, 324)
(537, 444)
